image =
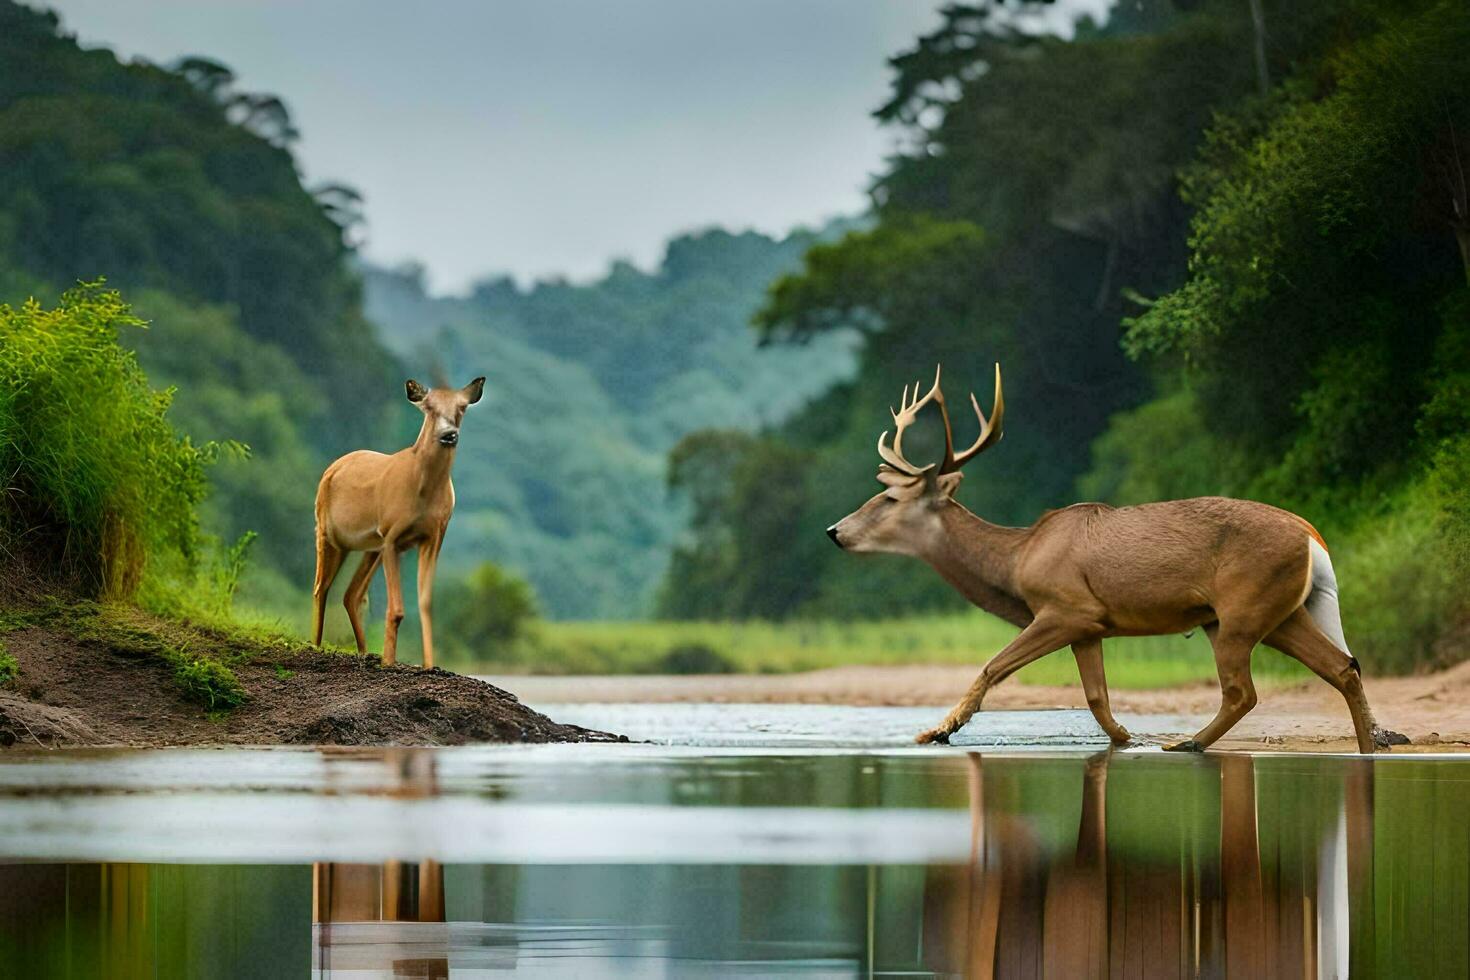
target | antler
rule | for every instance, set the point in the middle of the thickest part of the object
(990, 429)
(902, 419)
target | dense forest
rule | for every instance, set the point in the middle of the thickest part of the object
(1214, 253)
(182, 191)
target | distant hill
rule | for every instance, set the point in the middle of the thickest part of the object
(561, 475)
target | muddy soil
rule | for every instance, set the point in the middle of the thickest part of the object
(72, 691)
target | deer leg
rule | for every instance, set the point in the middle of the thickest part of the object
(391, 572)
(428, 559)
(1237, 690)
(328, 561)
(357, 592)
(1300, 638)
(1036, 641)
(1095, 686)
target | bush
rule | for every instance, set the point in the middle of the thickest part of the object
(8, 666)
(693, 658)
(209, 682)
(98, 479)
(484, 618)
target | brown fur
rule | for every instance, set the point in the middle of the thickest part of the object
(383, 506)
(1239, 569)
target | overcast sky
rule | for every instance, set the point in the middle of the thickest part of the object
(547, 137)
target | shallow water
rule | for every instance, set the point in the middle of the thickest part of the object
(767, 841)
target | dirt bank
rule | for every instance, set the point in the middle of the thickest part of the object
(107, 677)
(1433, 709)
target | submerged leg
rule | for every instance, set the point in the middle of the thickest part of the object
(1037, 640)
(1095, 686)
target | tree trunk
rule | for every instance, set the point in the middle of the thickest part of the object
(1258, 21)
(1462, 235)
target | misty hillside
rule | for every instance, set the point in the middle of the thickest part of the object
(562, 472)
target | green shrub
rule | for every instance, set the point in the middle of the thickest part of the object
(1399, 593)
(97, 476)
(693, 658)
(209, 682)
(8, 666)
(487, 612)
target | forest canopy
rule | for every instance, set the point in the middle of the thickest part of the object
(1203, 272)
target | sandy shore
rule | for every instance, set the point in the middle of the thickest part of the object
(1433, 710)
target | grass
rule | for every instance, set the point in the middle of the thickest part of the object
(8, 666)
(201, 653)
(97, 478)
(761, 647)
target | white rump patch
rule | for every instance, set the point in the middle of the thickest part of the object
(1321, 602)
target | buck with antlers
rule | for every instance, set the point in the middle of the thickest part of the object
(1246, 572)
(384, 505)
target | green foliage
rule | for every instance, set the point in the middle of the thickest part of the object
(1323, 329)
(1160, 450)
(9, 666)
(99, 480)
(232, 386)
(693, 658)
(492, 608)
(175, 180)
(1321, 246)
(183, 190)
(208, 682)
(751, 493)
(907, 270)
(229, 569)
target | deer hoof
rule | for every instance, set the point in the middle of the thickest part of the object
(933, 735)
(1383, 738)
(1188, 745)
(1120, 737)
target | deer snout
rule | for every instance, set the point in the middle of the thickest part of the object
(832, 533)
(449, 438)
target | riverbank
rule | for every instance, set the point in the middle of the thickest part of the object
(82, 673)
(1432, 709)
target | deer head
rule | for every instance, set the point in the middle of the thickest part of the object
(443, 408)
(905, 518)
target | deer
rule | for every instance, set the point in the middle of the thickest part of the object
(385, 505)
(1245, 572)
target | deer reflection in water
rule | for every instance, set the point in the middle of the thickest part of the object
(352, 903)
(1150, 907)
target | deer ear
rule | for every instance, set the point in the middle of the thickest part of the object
(474, 390)
(948, 483)
(416, 391)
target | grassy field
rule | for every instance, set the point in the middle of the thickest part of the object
(758, 647)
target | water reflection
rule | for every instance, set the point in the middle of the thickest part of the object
(1134, 865)
(1162, 885)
